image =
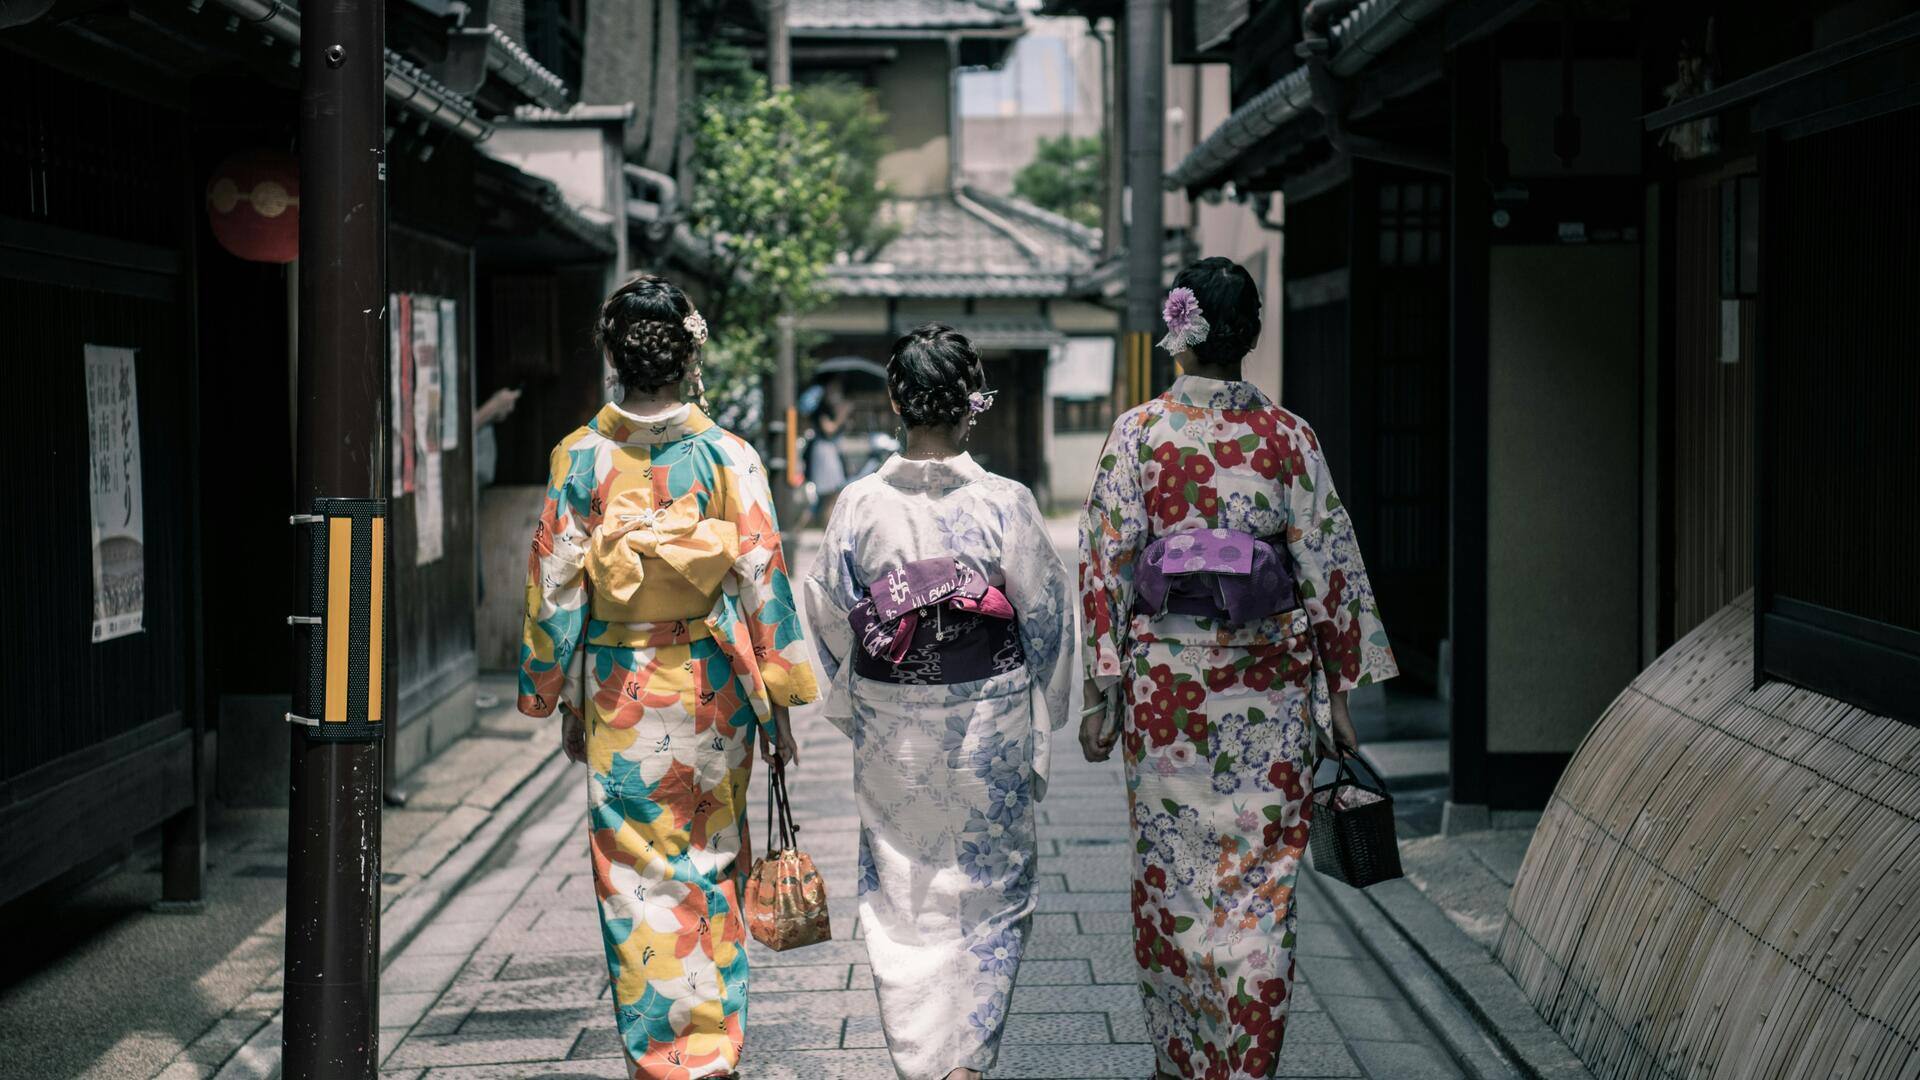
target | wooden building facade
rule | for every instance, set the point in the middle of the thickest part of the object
(147, 637)
(1596, 307)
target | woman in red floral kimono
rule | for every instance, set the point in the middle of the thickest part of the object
(1224, 694)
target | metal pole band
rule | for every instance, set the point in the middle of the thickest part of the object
(339, 690)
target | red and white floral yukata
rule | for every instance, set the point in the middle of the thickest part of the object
(1219, 719)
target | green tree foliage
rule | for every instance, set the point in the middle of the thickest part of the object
(769, 202)
(1066, 177)
(785, 181)
(852, 113)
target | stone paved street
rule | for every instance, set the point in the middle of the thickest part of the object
(509, 979)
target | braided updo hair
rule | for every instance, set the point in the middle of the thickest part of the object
(1231, 302)
(642, 328)
(933, 370)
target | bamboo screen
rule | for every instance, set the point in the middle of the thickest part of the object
(1727, 880)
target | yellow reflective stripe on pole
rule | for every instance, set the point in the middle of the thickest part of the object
(796, 476)
(377, 620)
(339, 604)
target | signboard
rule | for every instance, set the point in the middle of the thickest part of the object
(113, 475)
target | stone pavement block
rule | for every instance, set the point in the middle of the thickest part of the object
(826, 952)
(1311, 1027)
(1037, 972)
(1404, 1060)
(402, 1074)
(1046, 924)
(1353, 978)
(818, 1065)
(1023, 1028)
(447, 834)
(418, 971)
(449, 938)
(1374, 1017)
(816, 1003)
(1334, 942)
(559, 1021)
(1041, 1061)
(1320, 1059)
(404, 1009)
(1093, 873)
(1107, 922)
(218, 1043)
(775, 980)
(1090, 901)
(184, 1070)
(430, 1051)
(572, 965)
(861, 978)
(863, 1032)
(596, 1069)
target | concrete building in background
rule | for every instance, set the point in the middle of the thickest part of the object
(1004, 272)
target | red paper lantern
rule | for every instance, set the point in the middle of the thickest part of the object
(253, 203)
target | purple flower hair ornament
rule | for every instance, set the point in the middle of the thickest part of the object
(1186, 327)
(980, 401)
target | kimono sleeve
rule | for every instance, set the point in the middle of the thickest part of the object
(1348, 638)
(766, 593)
(1112, 530)
(557, 587)
(831, 590)
(1039, 589)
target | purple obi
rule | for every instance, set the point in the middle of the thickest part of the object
(933, 622)
(1215, 573)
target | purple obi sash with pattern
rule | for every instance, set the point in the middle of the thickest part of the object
(1215, 573)
(933, 622)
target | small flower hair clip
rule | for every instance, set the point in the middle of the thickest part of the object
(1186, 327)
(979, 401)
(695, 325)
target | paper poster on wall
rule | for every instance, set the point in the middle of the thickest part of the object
(450, 419)
(403, 382)
(119, 526)
(399, 410)
(429, 508)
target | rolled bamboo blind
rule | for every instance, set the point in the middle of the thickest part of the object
(1726, 882)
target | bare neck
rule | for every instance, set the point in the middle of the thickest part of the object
(932, 443)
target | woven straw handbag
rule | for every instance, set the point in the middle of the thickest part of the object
(1352, 838)
(786, 902)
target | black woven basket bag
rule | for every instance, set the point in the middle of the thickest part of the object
(1351, 837)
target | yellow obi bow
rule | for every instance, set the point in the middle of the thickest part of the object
(636, 536)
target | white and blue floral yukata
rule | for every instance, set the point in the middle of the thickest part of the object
(946, 775)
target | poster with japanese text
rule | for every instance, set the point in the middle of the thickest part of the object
(119, 527)
(429, 504)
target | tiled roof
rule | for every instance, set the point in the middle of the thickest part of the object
(816, 16)
(955, 247)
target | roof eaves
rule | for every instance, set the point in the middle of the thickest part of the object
(1369, 30)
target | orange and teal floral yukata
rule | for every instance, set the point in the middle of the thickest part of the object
(658, 591)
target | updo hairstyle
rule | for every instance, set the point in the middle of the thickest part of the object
(1231, 302)
(642, 329)
(932, 372)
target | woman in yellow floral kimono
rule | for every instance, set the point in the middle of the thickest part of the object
(657, 550)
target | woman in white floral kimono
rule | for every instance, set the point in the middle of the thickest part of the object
(1226, 679)
(945, 619)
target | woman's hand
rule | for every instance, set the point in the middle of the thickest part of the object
(1096, 742)
(573, 734)
(785, 747)
(1345, 740)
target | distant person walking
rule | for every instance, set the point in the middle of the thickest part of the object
(945, 620)
(657, 556)
(1227, 615)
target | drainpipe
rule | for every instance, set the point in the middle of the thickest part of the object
(1329, 93)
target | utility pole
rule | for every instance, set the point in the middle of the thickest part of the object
(1146, 71)
(340, 662)
(785, 425)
